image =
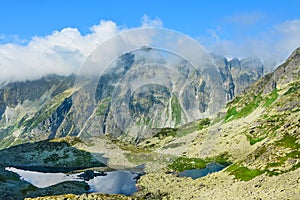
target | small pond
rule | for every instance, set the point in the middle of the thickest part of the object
(197, 173)
(115, 182)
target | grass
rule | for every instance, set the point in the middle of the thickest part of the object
(184, 163)
(176, 110)
(294, 87)
(103, 106)
(183, 130)
(271, 98)
(243, 173)
(253, 141)
(203, 123)
(248, 107)
(281, 160)
(288, 141)
(230, 113)
(47, 110)
(241, 107)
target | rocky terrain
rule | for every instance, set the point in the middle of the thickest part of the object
(53, 107)
(257, 136)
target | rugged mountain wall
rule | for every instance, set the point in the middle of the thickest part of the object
(49, 108)
(238, 74)
(258, 132)
(33, 110)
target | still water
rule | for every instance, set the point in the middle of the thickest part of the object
(115, 182)
(197, 173)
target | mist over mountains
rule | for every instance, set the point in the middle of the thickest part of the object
(64, 51)
(48, 107)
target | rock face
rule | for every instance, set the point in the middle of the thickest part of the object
(238, 74)
(48, 108)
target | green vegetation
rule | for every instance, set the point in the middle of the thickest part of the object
(176, 110)
(68, 139)
(6, 142)
(103, 106)
(45, 154)
(28, 189)
(288, 141)
(203, 123)
(281, 160)
(294, 87)
(243, 173)
(183, 130)
(246, 108)
(165, 132)
(271, 98)
(184, 163)
(253, 140)
(47, 110)
(230, 113)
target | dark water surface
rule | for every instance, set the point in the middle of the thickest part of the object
(197, 173)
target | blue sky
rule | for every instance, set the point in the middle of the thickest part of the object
(267, 29)
(29, 18)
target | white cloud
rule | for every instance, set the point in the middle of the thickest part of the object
(148, 22)
(62, 52)
(288, 34)
(273, 46)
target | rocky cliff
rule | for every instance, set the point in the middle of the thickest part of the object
(50, 107)
(238, 74)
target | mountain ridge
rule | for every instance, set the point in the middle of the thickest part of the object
(257, 134)
(53, 110)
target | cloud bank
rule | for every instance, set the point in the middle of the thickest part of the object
(62, 52)
(271, 44)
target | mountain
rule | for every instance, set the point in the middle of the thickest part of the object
(256, 136)
(33, 108)
(52, 106)
(238, 74)
(258, 132)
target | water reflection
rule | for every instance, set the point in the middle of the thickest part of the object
(115, 182)
(42, 180)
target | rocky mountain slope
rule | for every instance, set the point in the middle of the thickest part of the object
(47, 108)
(258, 132)
(257, 135)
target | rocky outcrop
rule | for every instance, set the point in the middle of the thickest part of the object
(238, 74)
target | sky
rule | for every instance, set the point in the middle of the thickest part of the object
(56, 36)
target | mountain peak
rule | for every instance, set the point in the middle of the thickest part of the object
(295, 54)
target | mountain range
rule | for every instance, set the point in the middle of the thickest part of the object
(255, 136)
(47, 108)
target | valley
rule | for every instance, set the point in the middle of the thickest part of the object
(256, 136)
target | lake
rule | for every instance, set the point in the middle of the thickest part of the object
(114, 182)
(198, 173)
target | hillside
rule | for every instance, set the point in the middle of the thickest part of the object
(258, 132)
(256, 136)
